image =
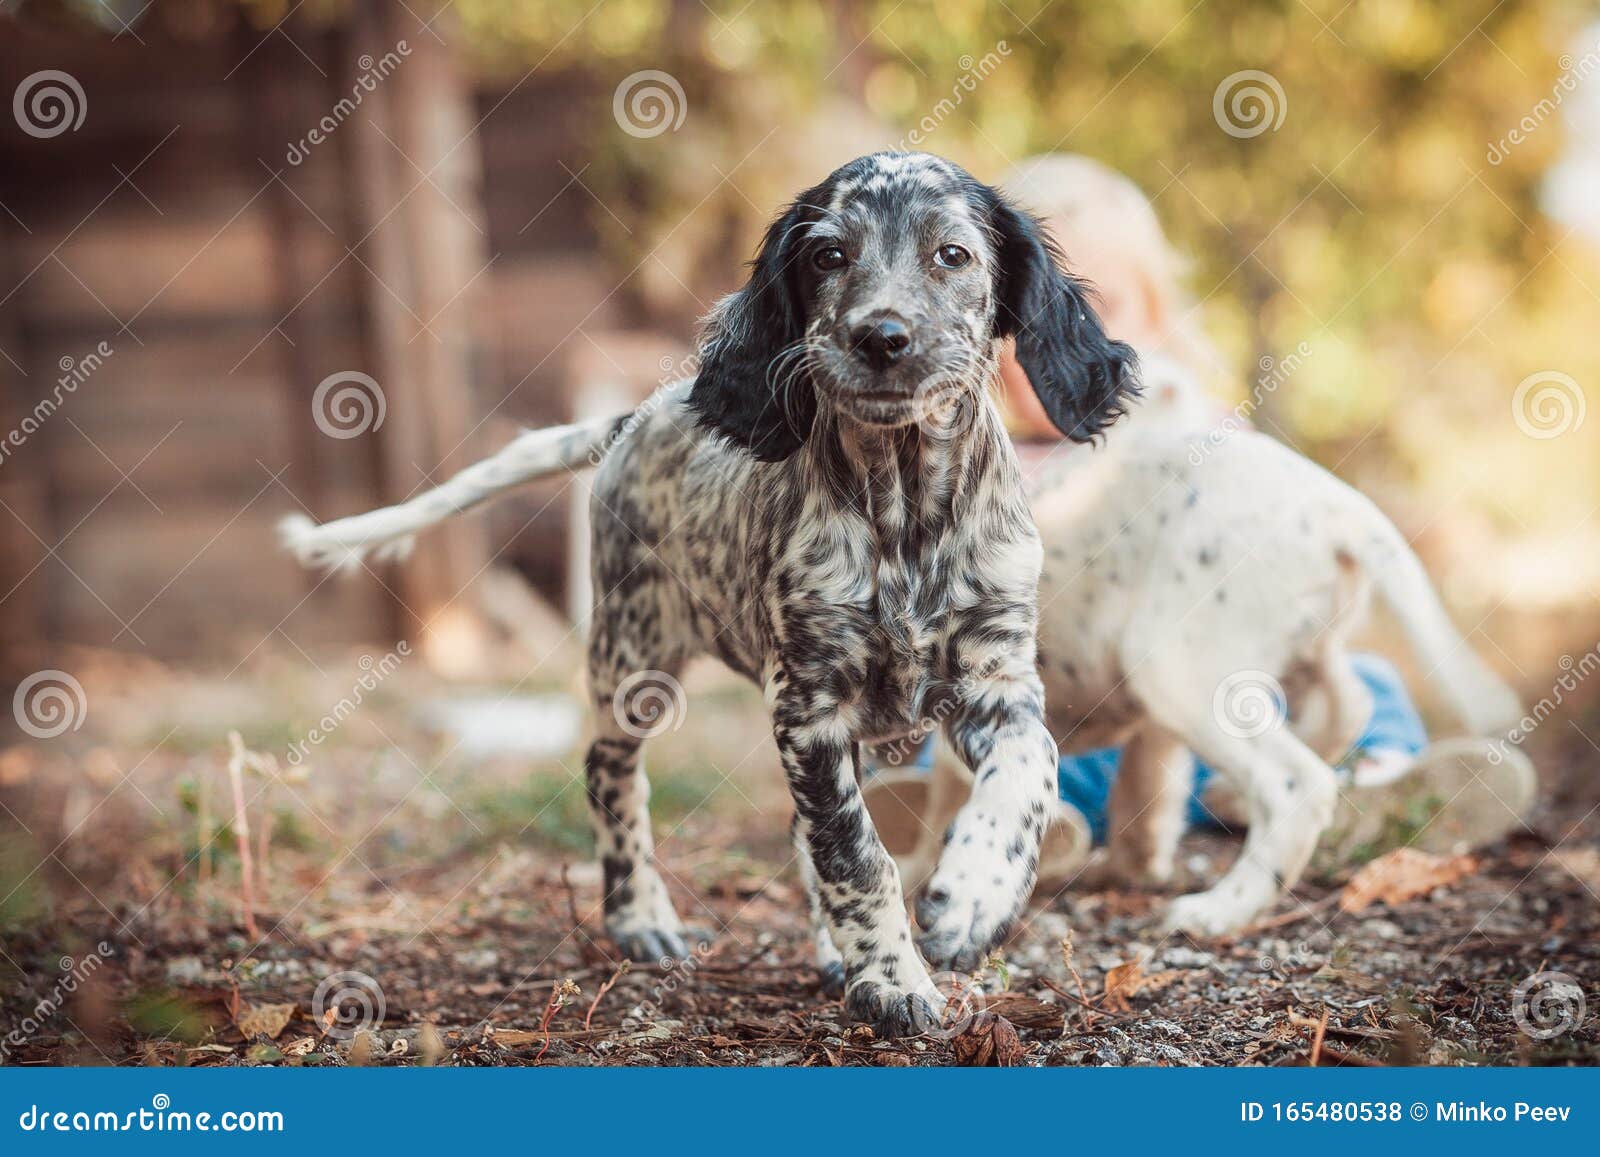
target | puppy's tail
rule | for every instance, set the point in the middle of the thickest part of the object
(387, 533)
(1479, 697)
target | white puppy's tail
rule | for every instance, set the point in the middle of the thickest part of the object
(1479, 697)
(387, 533)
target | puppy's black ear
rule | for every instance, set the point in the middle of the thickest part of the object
(1083, 378)
(742, 391)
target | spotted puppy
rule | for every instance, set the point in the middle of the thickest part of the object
(834, 510)
(1200, 588)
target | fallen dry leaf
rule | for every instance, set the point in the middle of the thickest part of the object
(1402, 875)
(988, 1041)
(1129, 979)
(299, 1048)
(266, 1020)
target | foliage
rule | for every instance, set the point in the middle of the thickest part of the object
(1370, 225)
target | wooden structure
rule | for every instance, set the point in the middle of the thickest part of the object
(228, 262)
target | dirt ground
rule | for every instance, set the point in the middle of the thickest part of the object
(417, 902)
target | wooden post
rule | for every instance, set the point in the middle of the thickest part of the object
(23, 586)
(415, 186)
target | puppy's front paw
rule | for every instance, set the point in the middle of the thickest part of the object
(892, 1012)
(970, 907)
(657, 945)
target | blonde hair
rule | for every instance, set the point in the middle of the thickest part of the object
(1082, 199)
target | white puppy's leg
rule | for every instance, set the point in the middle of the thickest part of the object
(1289, 794)
(1146, 812)
(948, 789)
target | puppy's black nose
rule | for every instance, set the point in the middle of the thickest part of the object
(881, 343)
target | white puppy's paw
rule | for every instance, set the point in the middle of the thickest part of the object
(1207, 914)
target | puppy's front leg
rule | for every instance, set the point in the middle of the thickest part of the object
(886, 983)
(991, 854)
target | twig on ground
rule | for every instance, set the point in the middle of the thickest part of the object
(1083, 994)
(241, 832)
(1303, 912)
(604, 988)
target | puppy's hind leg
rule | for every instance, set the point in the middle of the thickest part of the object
(1146, 812)
(629, 706)
(830, 961)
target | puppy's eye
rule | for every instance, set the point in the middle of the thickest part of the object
(951, 256)
(831, 257)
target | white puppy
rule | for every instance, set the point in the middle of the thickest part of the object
(1200, 584)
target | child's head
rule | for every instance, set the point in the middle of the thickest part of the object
(1109, 233)
(1111, 237)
